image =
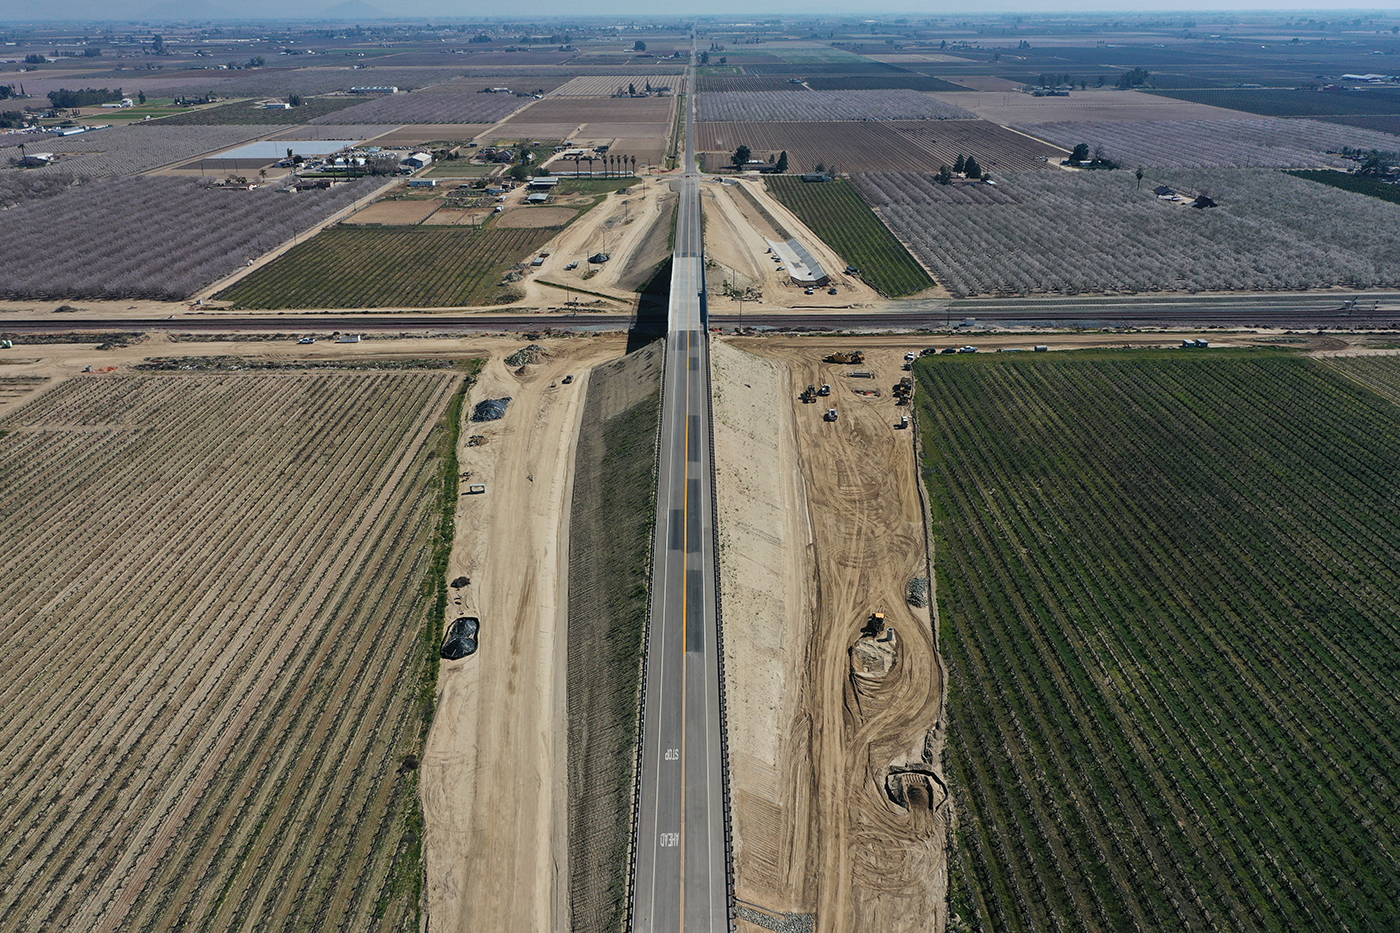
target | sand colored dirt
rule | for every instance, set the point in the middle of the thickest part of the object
(536, 217)
(839, 808)
(493, 770)
(396, 213)
(623, 226)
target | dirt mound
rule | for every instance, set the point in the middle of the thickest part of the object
(531, 354)
(491, 409)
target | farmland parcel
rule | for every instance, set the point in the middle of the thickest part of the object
(410, 267)
(217, 631)
(1168, 594)
(81, 241)
(834, 212)
(1071, 232)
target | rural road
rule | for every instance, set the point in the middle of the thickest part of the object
(682, 860)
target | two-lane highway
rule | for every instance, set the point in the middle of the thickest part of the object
(682, 866)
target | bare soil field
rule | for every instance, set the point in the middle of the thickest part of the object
(1091, 104)
(493, 775)
(840, 810)
(536, 217)
(416, 134)
(649, 150)
(455, 217)
(522, 126)
(216, 618)
(396, 213)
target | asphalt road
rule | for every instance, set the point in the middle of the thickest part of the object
(682, 864)
(1304, 312)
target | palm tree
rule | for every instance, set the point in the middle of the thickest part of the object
(576, 160)
(634, 165)
(589, 160)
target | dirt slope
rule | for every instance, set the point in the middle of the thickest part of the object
(493, 770)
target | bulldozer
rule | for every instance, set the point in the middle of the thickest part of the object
(851, 356)
(809, 394)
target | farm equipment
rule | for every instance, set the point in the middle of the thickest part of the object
(875, 626)
(809, 394)
(904, 391)
(852, 356)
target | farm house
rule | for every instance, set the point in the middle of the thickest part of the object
(801, 265)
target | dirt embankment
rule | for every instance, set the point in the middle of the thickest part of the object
(765, 543)
(613, 519)
(848, 822)
(493, 772)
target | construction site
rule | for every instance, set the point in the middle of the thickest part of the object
(835, 684)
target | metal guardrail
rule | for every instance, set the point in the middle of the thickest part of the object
(719, 622)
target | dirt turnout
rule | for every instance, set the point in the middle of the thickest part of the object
(839, 808)
(493, 770)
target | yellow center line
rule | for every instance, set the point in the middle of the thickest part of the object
(685, 602)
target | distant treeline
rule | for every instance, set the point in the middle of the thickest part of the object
(64, 99)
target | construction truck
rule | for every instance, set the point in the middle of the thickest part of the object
(809, 394)
(824, 391)
(852, 356)
(830, 415)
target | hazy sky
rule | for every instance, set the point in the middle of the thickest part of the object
(29, 10)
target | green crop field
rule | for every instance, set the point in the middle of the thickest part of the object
(1286, 102)
(1360, 184)
(401, 267)
(249, 113)
(837, 214)
(1169, 592)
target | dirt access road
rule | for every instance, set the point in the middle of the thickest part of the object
(493, 771)
(838, 808)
